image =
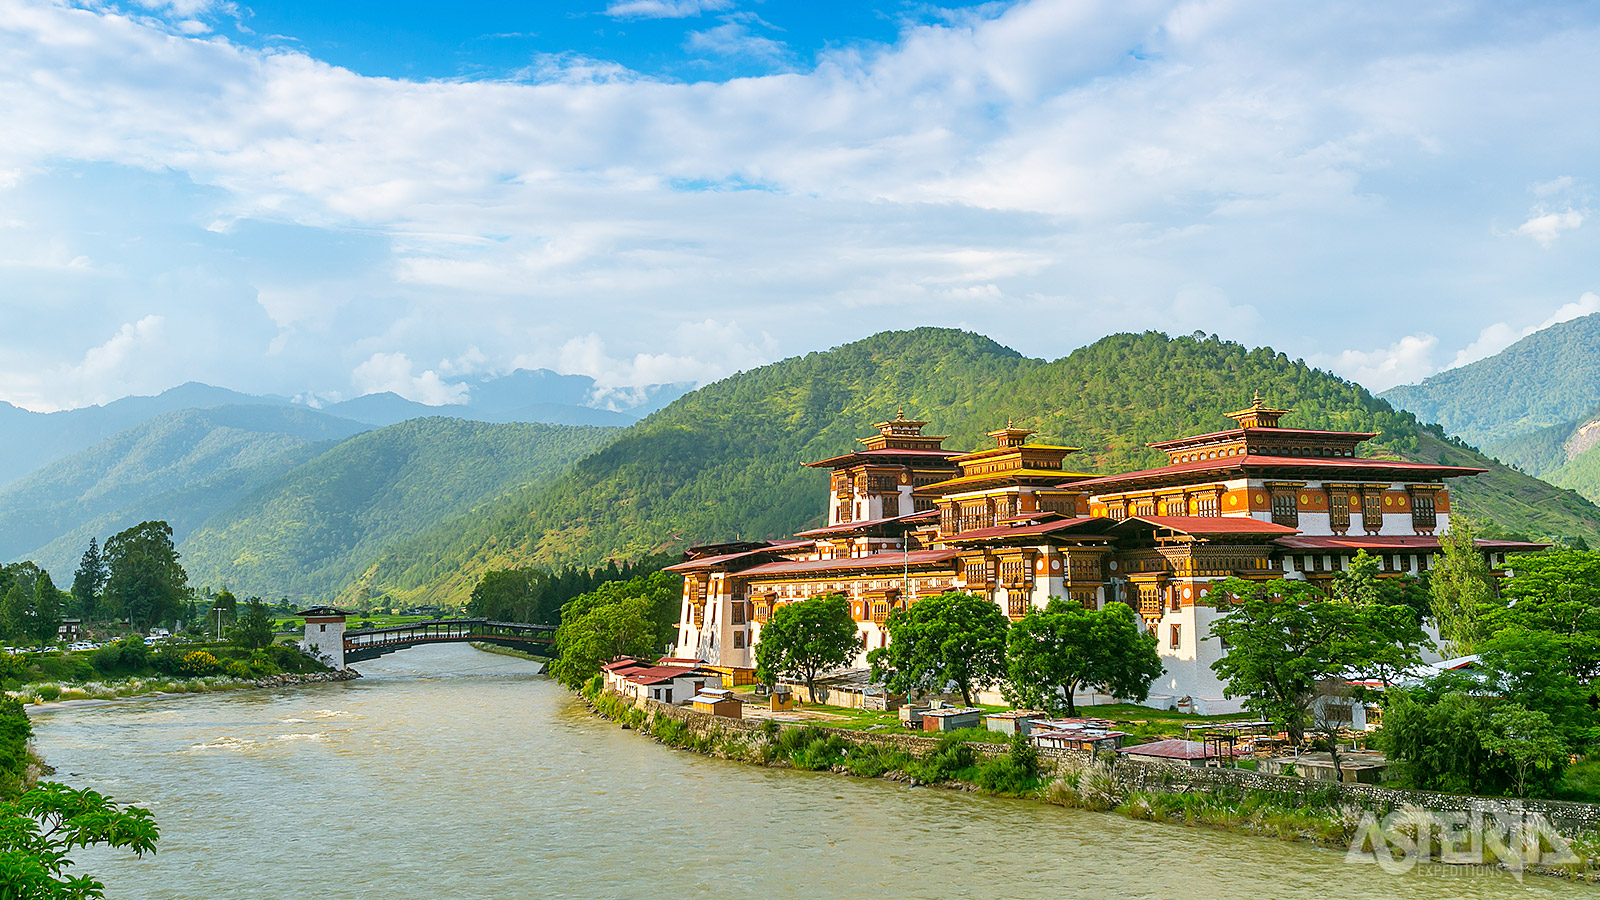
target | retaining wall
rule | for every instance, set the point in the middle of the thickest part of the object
(1140, 775)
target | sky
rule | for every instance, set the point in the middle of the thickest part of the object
(323, 200)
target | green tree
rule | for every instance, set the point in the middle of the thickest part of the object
(1557, 593)
(145, 581)
(803, 640)
(46, 619)
(40, 824)
(952, 638)
(223, 613)
(89, 582)
(592, 638)
(14, 614)
(511, 595)
(1053, 652)
(253, 631)
(1433, 735)
(1526, 738)
(1286, 639)
(1462, 589)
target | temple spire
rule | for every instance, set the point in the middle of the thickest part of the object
(1258, 414)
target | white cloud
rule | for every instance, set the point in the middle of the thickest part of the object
(1406, 360)
(1501, 335)
(393, 372)
(664, 9)
(103, 373)
(1545, 227)
(1045, 171)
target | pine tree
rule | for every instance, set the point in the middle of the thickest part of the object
(46, 621)
(89, 582)
(14, 614)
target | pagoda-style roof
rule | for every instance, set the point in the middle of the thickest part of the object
(1050, 477)
(318, 612)
(899, 441)
(1085, 526)
(895, 524)
(875, 561)
(1258, 414)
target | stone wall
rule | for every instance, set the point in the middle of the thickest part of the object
(1155, 777)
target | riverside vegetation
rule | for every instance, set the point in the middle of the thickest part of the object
(1296, 812)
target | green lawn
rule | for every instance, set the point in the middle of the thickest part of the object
(383, 620)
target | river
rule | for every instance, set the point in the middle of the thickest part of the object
(447, 772)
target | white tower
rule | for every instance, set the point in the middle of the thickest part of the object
(325, 634)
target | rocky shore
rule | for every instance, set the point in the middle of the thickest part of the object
(307, 678)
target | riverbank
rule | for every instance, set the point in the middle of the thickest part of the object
(1388, 827)
(137, 689)
(512, 652)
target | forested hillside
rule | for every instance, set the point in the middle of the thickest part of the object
(309, 531)
(725, 461)
(1548, 378)
(1567, 455)
(180, 466)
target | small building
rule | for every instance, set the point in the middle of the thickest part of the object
(951, 718)
(665, 684)
(1012, 722)
(1174, 752)
(71, 630)
(718, 702)
(1354, 767)
(911, 716)
(1087, 739)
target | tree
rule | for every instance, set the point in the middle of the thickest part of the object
(952, 638)
(1527, 738)
(590, 639)
(511, 595)
(89, 582)
(253, 631)
(1053, 652)
(805, 639)
(1557, 593)
(40, 824)
(46, 620)
(1285, 638)
(1433, 735)
(223, 613)
(1462, 589)
(145, 581)
(14, 614)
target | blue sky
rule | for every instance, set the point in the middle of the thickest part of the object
(328, 199)
(689, 40)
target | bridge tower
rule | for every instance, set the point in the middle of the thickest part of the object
(325, 634)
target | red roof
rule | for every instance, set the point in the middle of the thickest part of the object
(658, 674)
(1248, 463)
(867, 523)
(1172, 749)
(710, 562)
(1213, 524)
(941, 454)
(1287, 432)
(979, 534)
(846, 563)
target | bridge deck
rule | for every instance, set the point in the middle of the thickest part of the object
(370, 643)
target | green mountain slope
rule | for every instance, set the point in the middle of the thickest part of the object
(1547, 378)
(309, 530)
(178, 464)
(725, 461)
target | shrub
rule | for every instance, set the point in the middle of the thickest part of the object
(199, 662)
(1014, 773)
(948, 761)
(125, 656)
(236, 669)
(49, 693)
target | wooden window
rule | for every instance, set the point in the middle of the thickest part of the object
(1176, 603)
(738, 613)
(1145, 507)
(1177, 636)
(1338, 512)
(738, 640)
(891, 505)
(1206, 505)
(1285, 509)
(1372, 511)
(1424, 513)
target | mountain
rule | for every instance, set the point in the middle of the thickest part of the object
(35, 439)
(1548, 378)
(309, 531)
(1567, 455)
(181, 466)
(538, 395)
(725, 461)
(389, 408)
